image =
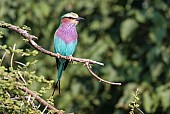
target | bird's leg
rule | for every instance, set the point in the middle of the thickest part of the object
(70, 58)
(58, 55)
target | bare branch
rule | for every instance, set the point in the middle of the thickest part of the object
(21, 77)
(98, 78)
(39, 99)
(30, 38)
(2, 58)
(12, 57)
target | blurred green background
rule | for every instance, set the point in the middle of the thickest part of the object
(131, 37)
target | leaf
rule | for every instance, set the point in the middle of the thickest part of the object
(156, 70)
(163, 93)
(1, 34)
(34, 53)
(156, 34)
(140, 16)
(3, 47)
(165, 97)
(127, 28)
(117, 58)
(150, 101)
(147, 101)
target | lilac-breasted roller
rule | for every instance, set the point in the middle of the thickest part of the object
(65, 41)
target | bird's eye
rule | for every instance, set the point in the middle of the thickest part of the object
(70, 17)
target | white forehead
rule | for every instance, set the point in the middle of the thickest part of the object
(73, 15)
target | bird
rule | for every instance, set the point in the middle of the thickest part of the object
(65, 41)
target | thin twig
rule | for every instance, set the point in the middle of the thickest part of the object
(98, 78)
(140, 110)
(39, 99)
(21, 77)
(8, 94)
(28, 98)
(3, 58)
(20, 63)
(12, 57)
(38, 106)
(44, 110)
(22, 103)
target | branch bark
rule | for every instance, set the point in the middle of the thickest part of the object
(39, 99)
(31, 41)
(98, 78)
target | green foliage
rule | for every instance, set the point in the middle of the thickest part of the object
(130, 36)
(16, 76)
(134, 104)
(1, 34)
(127, 28)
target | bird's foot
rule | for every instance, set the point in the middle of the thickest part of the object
(70, 58)
(58, 55)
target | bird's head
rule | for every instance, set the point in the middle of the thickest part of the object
(71, 18)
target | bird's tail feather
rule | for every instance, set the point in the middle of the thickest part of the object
(60, 70)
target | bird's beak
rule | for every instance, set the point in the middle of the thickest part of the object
(79, 19)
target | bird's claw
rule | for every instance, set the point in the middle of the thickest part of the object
(70, 58)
